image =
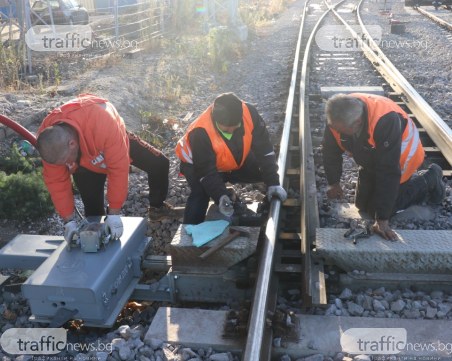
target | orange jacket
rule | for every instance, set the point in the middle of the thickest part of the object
(224, 158)
(412, 152)
(104, 148)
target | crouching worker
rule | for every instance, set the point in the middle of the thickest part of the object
(87, 139)
(228, 142)
(385, 144)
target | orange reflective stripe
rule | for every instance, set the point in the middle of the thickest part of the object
(412, 152)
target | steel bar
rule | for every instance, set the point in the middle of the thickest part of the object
(258, 312)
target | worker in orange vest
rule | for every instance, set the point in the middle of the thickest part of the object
(87, 139)
(228, 142)
(385, 144)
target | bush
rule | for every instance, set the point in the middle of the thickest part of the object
(16, 162)
(23, 194)
(224, 48)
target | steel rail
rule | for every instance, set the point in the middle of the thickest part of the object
(435, 18)
(308, 191)
(260, 300)
(436, 128)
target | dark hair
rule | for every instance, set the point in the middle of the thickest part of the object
(227, 109)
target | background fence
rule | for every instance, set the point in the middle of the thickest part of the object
(117, 25)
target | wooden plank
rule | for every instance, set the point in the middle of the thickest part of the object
(293, 171)
(292, 202)
(287, 235)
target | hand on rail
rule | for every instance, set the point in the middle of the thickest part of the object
(276, 191)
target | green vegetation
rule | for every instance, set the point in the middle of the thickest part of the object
(224, 47)
(258, 12)
(10, 62)
(151, 128)
(23, 194)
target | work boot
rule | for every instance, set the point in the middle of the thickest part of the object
(434, 179)
(166, 211)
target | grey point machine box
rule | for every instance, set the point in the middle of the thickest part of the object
(90, 286)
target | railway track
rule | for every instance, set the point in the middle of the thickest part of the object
(437, 19)
(304, 101)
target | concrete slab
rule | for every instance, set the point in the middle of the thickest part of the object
(185, 256)
(419, 251)
(329, 91)
(328, 335)
(191, 328)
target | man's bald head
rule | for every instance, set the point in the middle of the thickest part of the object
(54, 143)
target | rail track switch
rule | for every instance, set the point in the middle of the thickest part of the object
(92, 286)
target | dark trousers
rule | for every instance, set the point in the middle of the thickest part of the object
(198, 200)
(412, 192)
(145, 157)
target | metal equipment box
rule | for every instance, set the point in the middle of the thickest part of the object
(92, 287)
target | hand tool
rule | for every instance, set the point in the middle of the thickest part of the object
(357, 233)
(234, 232)
(90, 235)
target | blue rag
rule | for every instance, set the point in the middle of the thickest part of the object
(206, 231)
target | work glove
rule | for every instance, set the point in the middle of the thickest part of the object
(276, 191)
(225, 206)
(113, 226)
(334, 191)
(70, 229)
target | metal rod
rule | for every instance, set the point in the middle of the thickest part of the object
(259, 309)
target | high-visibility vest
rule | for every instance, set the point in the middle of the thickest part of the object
(411, 152)
(224, 158)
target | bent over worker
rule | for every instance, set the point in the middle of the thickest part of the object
(228, 142)
(87, 139)
(385, 144)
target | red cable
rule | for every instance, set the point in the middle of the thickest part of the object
(27, 135)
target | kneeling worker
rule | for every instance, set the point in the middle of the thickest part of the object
(228, 142)
(385, 144)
